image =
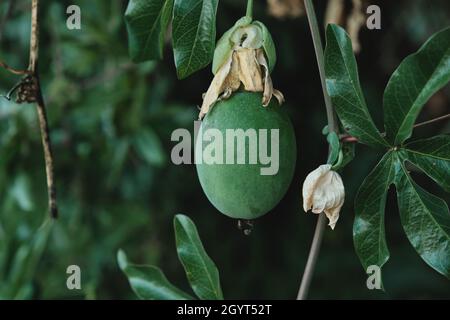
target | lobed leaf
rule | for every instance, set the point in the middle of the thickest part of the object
(426, 221)
(416, 79)
(368, 229)
(432, 156)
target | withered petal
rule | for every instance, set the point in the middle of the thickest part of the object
(216, 87)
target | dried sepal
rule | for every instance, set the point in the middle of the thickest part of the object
(216, 87)
(249, 70)
(246, 67)
(232, 81)
(268, 91)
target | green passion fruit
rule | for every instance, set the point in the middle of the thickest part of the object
(249, 189)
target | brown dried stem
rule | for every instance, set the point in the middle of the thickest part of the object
(13, 70)
(41, 109)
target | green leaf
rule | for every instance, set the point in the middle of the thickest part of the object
(426, 221)
(194, 34)
(335, 147)
(149, 147)
(147, 22)
(417, 78)
(225, 46)
(344, 89)
(149, 282)
(200, 270)
(432, 156)
(26, 260)
(348, 150)
(368, 229)
(21, 192)
(4, 245)
(346, 155)
(268, 45)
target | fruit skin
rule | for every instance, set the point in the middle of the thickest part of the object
(239, 190)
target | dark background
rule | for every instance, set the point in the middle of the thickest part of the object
(111, 122)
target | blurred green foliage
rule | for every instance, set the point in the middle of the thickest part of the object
(111, 122)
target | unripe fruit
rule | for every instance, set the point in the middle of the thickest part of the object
(240, 190)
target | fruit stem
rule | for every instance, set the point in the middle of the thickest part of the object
(333, 127)
(249, 12)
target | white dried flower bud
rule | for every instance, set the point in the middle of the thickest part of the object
(323, 191)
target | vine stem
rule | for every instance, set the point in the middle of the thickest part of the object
(41, 109)
(333, 127)
(249, 12)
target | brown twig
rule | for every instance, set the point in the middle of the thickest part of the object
(41, 108)
(349, 138)
(13, 70)
(30, 91)
(447, 116)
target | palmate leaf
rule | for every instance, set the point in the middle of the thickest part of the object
(200, 270)
(149, 282)
(193, 35)
(432, 156)
(426, 221)
(417, 78)
(344, 89)
(368, 229)
(425, 217)
(147, 22)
